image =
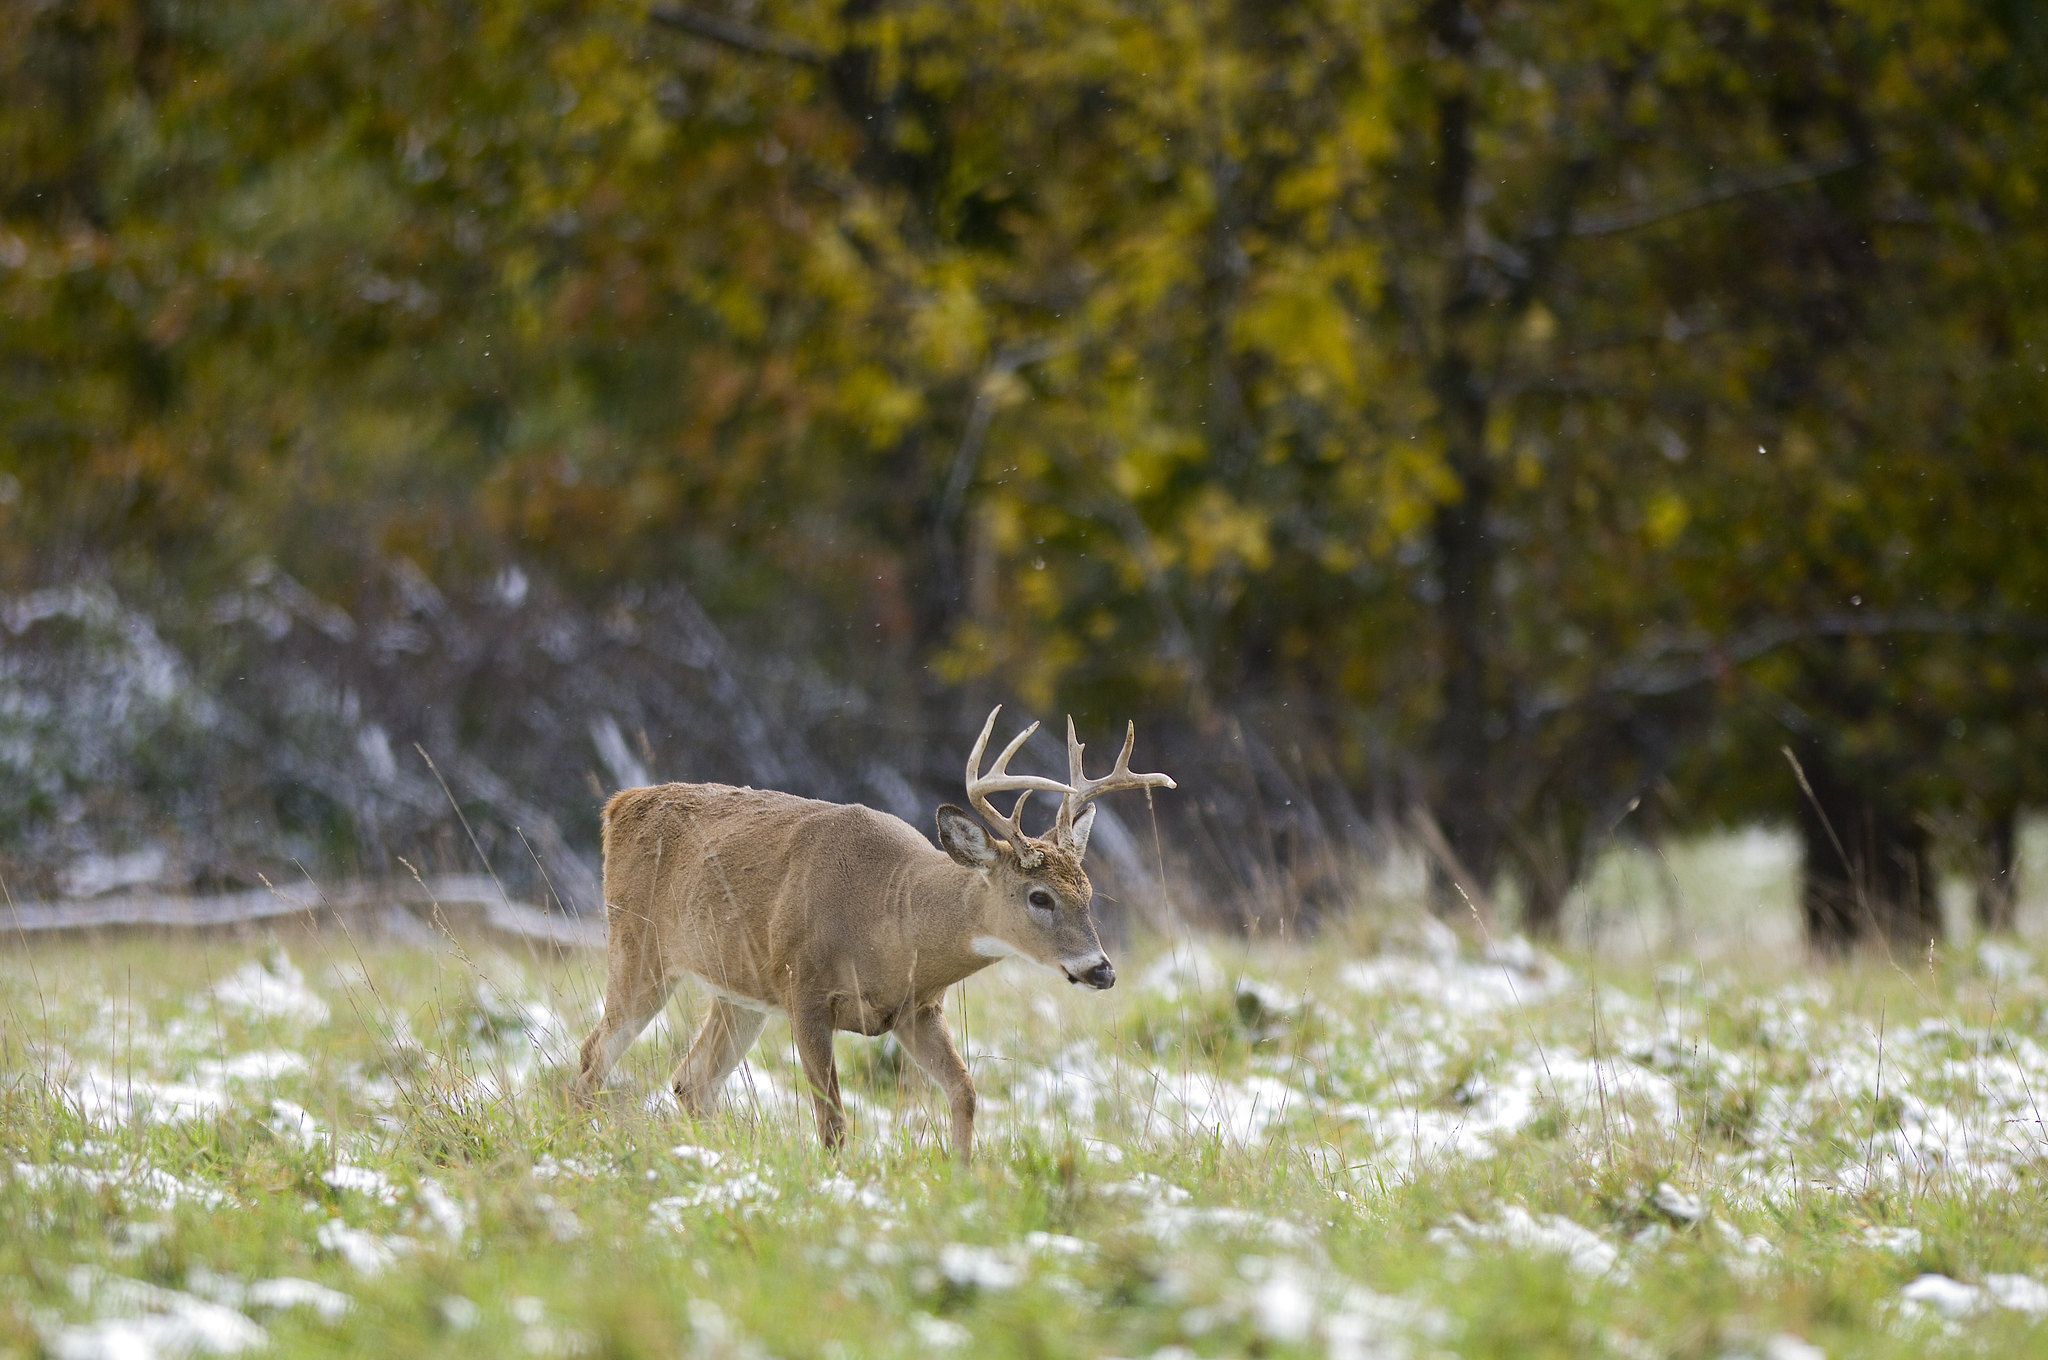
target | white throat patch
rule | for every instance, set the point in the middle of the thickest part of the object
(990, 947)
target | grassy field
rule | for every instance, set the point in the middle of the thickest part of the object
(1398, 1142)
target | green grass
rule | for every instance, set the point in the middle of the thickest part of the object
(1387, 1147)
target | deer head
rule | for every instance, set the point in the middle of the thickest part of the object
(1036, 897)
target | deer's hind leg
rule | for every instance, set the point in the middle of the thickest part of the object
(723, 1040)
(634, 993)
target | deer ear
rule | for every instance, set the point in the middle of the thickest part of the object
(965, 839)
(1077, 839)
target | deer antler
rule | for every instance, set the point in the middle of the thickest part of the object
(1084, 790)
(999, 779)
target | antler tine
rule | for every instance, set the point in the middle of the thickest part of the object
(1120, 776)
(1000, 780)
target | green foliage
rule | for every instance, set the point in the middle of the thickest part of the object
(1537, 390)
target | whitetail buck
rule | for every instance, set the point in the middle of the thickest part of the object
(839, 916)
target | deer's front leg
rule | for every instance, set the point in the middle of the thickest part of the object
(924, 1034)
(812, 1027)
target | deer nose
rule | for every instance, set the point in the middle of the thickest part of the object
(1101, 977)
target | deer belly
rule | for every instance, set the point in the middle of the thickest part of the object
(865, 1014)
(732, 998)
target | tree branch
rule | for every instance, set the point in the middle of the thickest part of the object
(1689, 660)
(761, 42)
(1757, 181)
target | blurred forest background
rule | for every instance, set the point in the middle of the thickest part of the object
(1505, 429)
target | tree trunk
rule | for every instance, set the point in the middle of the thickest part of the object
(1543, 905)
(1463, 757)
(1547, 853)
(1464, 796)
(1997, 889)
(1867, 873)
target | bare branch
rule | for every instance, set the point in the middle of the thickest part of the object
(968, 456)
(761, 42)
(1757, 181)
(1680, 663)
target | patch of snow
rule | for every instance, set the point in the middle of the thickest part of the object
(539, 1336)
(1590, 1093)
(1954, 1299)
(294, 1122)
(1289, 1302)
(980, 1267)
(1677, 1205)
(2017, 1293)
(138, 1185)
(702, 1156)
(1903, 1241)
(367, 1253)
(1369, 1326)
(276, 1295)
(1146, 1186)
(271, 991)
(1938, 1293)
(362, 1180)
(267, 1064)
(1584, 1250)
(1195, 1105)
(138, 1320)
(748, 1192)
(518, 1037)
(1186, 969)
(1510, 973)
(937, 1333)
(1057, 1244)
(1284, 1305)
(845, 1190)
(575, 1168)
(441, 1209)
(110, 1100)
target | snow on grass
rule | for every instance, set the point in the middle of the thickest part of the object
(135, 1320)
(363, 1180)
(1953, 1299)
(271, 1296)
(1509, 973)
(1302, 1151)
(111, 1100)
(271, 990)
(131, 1184)
(367, 1253)
(1586, 1251)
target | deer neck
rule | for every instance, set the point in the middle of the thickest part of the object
(953, 914)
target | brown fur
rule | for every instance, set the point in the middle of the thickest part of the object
(842, 917)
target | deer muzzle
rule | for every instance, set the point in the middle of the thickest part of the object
(1100, 975)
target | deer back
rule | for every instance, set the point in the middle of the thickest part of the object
(754, 890)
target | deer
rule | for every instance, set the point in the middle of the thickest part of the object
(840, 917)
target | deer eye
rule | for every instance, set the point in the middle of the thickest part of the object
(1041, 899)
